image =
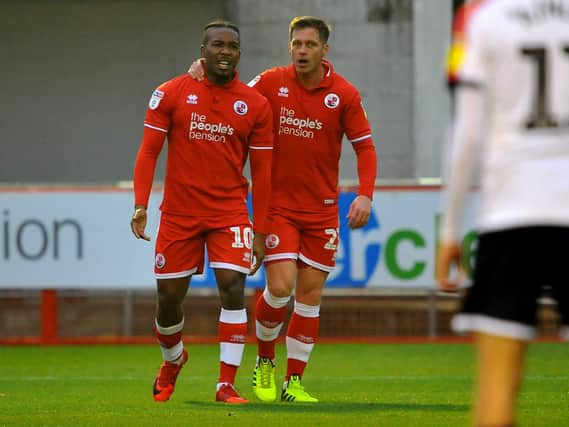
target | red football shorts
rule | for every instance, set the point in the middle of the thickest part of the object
(311, 238)
(181, 242)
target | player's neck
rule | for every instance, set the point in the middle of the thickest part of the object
(311, 80)
(219, 80)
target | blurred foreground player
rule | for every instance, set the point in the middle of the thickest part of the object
(512, 113)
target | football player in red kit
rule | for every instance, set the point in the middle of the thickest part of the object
(313, 109)
(212, 127)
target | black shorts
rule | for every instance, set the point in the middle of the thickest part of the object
(511, 271)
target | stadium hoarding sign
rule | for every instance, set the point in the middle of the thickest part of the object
(397, 248)
(81, 240)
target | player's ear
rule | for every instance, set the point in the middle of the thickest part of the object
(325, 48)
(202, 51)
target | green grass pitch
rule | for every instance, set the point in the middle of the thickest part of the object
(358, 385)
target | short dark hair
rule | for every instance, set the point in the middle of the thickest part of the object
(218, 24)
(318, 24)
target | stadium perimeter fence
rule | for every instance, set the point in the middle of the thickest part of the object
(70, 272)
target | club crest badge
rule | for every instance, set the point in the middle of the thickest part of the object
(272, 241)
(160, 260)
(240, 107)
(331, 100)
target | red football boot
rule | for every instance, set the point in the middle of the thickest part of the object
(166, 379)
(228, 394)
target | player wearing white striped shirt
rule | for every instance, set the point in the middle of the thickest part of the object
(512, 117)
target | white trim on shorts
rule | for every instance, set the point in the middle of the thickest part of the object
(176, 274)
(464, 322)
(284, 255)
(228, 266)
(315, 264)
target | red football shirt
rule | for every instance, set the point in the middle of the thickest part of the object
(210, 130)
(308, 128)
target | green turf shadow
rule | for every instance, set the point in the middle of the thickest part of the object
(331, 407)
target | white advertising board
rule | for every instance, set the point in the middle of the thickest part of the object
(82, 240)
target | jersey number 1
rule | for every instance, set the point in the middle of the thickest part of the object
(541, 116)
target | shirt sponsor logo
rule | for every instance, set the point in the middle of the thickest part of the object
(331, 100)
(192, 99)
(202, 130)
(240, 107)
(283, 91)
(160, 260)
(304, 127)
(155, 99)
